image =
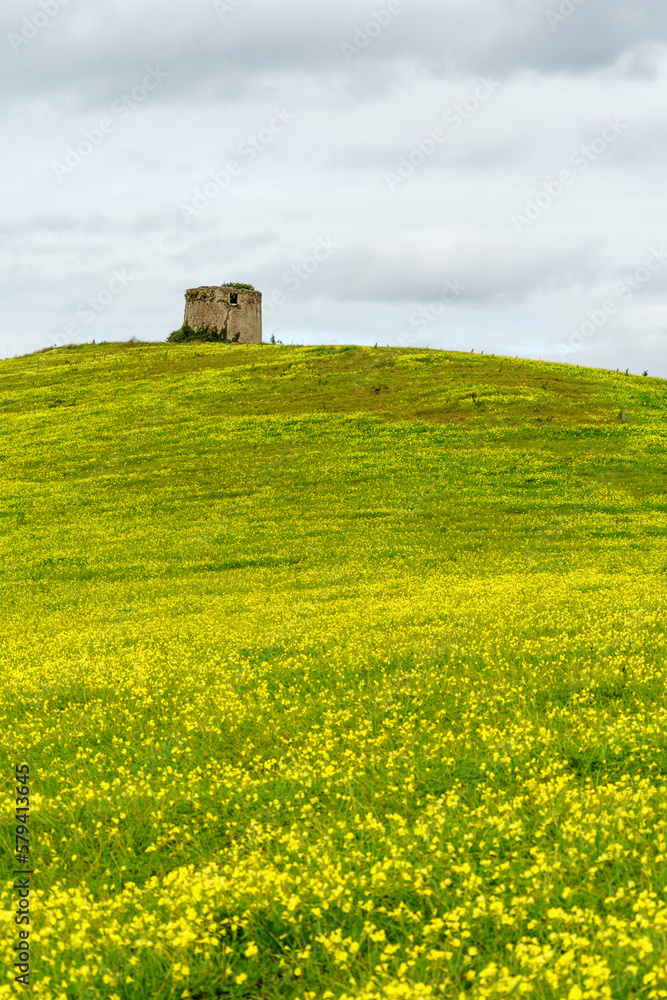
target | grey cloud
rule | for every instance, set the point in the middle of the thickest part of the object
(492, 275)
(89, 54)
(451, 219)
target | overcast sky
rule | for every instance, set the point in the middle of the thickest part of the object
(460, 174)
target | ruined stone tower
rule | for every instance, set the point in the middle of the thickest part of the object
(236, 309)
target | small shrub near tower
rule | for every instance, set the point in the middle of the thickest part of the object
(202, 335)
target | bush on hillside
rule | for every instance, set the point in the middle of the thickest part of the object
(202, 335)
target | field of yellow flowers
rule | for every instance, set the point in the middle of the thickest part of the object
(339, 672)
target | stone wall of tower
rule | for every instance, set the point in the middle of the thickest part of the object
(214, 306)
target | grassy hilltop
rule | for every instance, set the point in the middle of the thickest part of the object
(340, 673)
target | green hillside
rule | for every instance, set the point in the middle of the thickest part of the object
(339, 673)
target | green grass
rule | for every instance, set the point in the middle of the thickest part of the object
(351, 656)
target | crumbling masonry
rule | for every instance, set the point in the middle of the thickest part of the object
(224, 307)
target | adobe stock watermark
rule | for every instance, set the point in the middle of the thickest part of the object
(625, 290)
(32, 24)
(120, 109)
(249, 150)
(581, 158)
(565, 10)
(364, 34)
(223, 7)
(88, 310)
(421, 318)
(296, 275)
(455, 117)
